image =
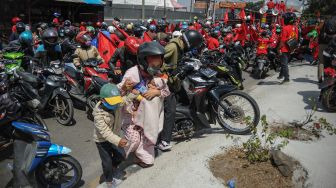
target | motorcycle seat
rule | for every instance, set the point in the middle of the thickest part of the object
(28, 77)
(73, 73)
(99, 81)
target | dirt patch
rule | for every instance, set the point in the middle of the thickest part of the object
(296, 132)
(233, 165)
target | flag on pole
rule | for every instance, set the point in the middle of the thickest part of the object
(242, 14)
(226, 16)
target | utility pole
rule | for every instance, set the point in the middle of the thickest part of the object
(214, 11)
(164, 9)
(143, 10)
(191, 5)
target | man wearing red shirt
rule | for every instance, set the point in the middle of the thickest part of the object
(212, 42)
(282, 7)
(263, 43)
(270, 5)
(288, 32)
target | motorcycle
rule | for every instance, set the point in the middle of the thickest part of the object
(47, 163)
(85, 87)
(45, 91)
(12, 61)
(202, 101)
(328, 86)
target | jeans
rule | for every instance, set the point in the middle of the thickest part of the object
(169, 118)
(284, 72)
(111, 157)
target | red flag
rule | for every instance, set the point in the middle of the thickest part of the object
(121, 30)
(253, 18)
(242, 14)
(106, 49)
(226, 16)
(147, 38)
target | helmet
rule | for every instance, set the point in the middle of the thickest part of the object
(184, 25)
(195, 18)
(149, 49)
(98, 24)
(330, 26)
(312, 34)
(264, 33)
(111, 29)
(111, 96)
(56, 14)
(278, 30)
(44, 26)
(152, 27)
(20, 27)
(50, 37)
(208, 22)
(83, 23)
(129, 27)
(69, 32)
(238, 25)
(138, 31)
(289, 18)
(177, 34)
(104, 25)
(84, 38)
(192, 39)
(91, 30)
(26, 38)
(89, 23)
(67, 23)
(61, 32)
(132, 44)
(214, 33)
(16, 20)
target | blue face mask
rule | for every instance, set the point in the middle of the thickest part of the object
(110, 107)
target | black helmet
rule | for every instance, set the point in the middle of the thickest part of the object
(330, 26)
(67, 23)
(44, 26)
(50, 37)
(20, 27)
(289, 18)
(68, 32)
(192, 39)
(104, 25)
(139, 30)
(61, 32)
(149, 49)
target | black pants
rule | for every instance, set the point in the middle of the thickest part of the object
(169, 118)
(111, 157)
(284, 71)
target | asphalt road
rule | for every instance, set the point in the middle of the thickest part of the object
(79, 138)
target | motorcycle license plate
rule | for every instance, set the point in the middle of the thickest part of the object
(207, 72)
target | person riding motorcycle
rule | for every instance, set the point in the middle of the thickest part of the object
(212, 41)
(174, 51)
(67, 42)
(20, 27)
(127, 55)
(86, 50)
(49, 50)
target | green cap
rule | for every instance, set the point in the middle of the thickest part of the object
(109, 90)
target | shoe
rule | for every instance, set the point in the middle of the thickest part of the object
(285, 81)
(119, 174)
(164, 146)
(280, 77)
(314, 62)
(116, 182)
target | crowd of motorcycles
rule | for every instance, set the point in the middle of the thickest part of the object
(211, 92)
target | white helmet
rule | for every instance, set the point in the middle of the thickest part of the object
(248, 17)
(177, 34)
(111, 29)
(238, 25)
(208, 22)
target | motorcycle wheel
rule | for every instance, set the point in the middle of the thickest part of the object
(57, 172)
(63, 109)
(240, 114)
(329, 98)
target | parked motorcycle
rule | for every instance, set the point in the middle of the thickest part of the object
(202, 101)
(48, 163)
(45, 91)
(85, 86)
(328, 86)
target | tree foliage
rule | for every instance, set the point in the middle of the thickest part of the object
(325, 7)
(255, 6)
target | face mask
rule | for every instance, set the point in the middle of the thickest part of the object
(153, 71)
(88, 43)
(110, 107)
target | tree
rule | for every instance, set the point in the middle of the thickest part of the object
(255, 6)
(325, 7)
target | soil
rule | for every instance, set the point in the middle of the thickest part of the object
(297, 133)
(233, 165)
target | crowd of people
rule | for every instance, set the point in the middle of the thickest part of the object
(136, 112)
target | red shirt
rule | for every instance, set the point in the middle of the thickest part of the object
(263, 45)
(282, 7)
(228, 38)
(271, 5)
(197, 26)
(212, 43)
(287, 33)
(82, 28)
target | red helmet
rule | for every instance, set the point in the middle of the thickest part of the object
(132, 44)
(16, 20)
(98, 24)
(82, 37)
